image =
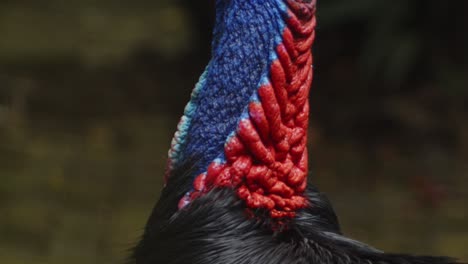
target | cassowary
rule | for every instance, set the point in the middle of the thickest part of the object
(236, 182)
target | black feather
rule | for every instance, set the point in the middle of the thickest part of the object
(215, 229)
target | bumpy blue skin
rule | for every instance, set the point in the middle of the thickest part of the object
(244, 41)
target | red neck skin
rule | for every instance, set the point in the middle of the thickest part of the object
(266, 159)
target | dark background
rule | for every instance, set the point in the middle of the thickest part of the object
(91, 92)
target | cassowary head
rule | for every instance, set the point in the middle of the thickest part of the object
(236, 181)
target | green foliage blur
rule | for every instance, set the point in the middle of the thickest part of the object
(91, 92)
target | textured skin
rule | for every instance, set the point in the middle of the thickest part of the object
(264, 156)
(239, 61)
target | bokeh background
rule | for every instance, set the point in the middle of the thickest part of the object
(91, 91)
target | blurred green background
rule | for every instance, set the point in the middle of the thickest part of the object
(91, 92)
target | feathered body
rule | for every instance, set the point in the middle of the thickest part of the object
(236, 189)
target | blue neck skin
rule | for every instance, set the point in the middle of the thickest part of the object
(244, 41)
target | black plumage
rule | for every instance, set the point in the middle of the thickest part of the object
(215, 229)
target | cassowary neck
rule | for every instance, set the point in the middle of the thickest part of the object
(241, 144)
(246, 124)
